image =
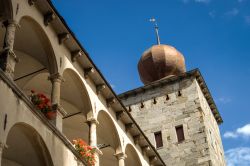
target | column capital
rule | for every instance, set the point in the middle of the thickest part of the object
(11, 22)
(120, 155)
(56, 77)
(92, 120)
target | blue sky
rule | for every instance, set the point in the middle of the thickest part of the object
(213, 35)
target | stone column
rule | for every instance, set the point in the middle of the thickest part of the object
(92, 122)
(56, 80)
(92, 131)
(8, 58)
(121, 158)
(1, 154)
(2, 146)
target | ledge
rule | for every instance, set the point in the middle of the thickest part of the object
(165, 81)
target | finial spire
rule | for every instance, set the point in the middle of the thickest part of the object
(156, 30)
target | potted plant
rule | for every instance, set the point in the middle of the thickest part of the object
(86, 151)
(43, 104)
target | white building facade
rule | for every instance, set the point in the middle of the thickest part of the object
(39, 52)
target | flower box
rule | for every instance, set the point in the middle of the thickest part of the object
(43, 104)
(86, 151)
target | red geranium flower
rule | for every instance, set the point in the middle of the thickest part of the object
(85, 151)
(41, 102)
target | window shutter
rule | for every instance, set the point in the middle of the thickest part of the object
(180, 133)
(158, 139)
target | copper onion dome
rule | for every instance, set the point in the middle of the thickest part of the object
(160, 61)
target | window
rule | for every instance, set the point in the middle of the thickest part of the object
(179, 93)
(180, 133)
(158, 139)
(142, 105)
(167, 97)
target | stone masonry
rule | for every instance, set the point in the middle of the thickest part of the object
(173, 102)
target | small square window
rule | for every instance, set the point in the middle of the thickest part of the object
(180, 133)
(179, 93)
(158, 139)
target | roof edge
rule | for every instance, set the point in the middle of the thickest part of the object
(192, 73)
(105, 81)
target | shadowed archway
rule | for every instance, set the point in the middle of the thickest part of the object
(132, 156)
(107, 136)
(36, 57)
(76, 103)
(25, 148)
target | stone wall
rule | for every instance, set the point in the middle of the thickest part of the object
(212, 131)
(179, 103)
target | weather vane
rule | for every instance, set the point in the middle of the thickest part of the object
(156, 30)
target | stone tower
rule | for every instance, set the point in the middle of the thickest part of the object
(176, 110)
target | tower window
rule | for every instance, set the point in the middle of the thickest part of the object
(167, 97)
(155, 101)
(158, 139)
(180, 133)
(142, 105)
(179, 93)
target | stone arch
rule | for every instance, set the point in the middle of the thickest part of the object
(74, 90)
(36, 57)
(25, 147)
(32, 40)
(76, 102)
(107, 134)
(132, 156)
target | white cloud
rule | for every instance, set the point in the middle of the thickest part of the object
(224, 100)
(241, 1)
(240, 132)
(233, 12)
(198, 1)
(212, 14)
(230, 134)
(245, 130)
(185, 1)
(202, 1)
(238, 156)
(247, 19)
